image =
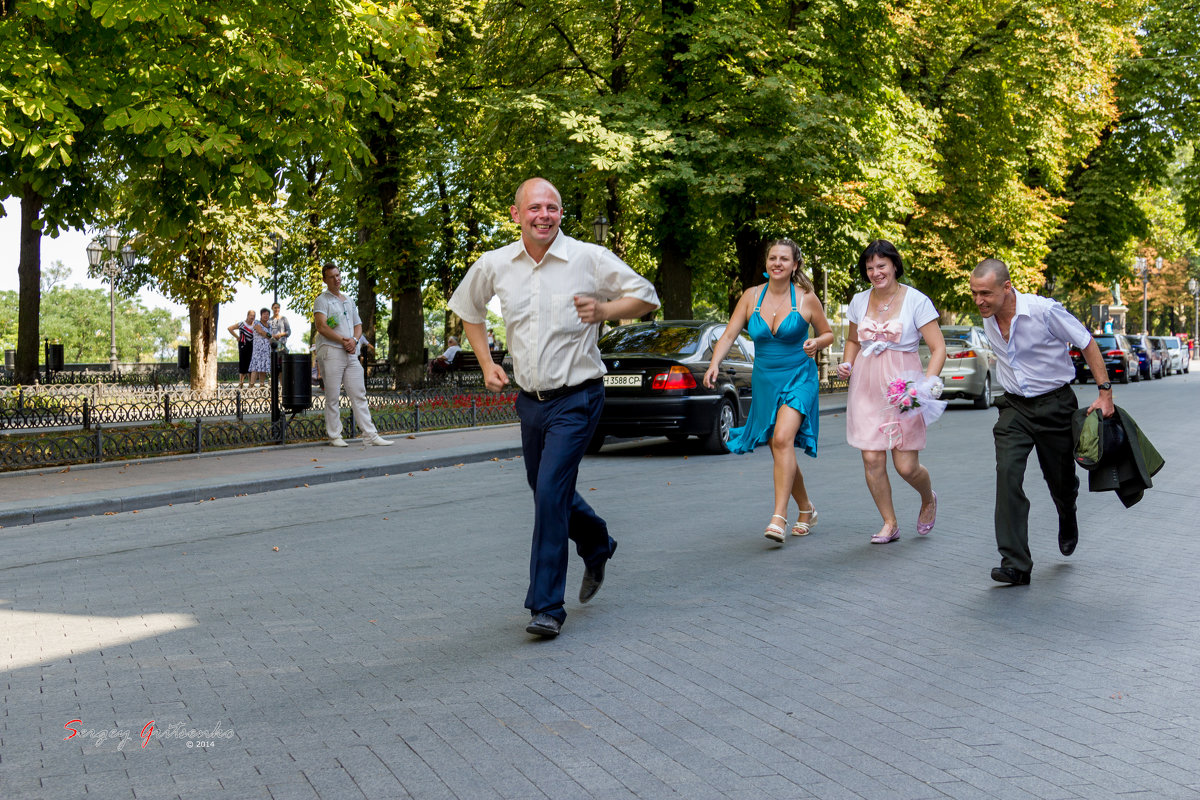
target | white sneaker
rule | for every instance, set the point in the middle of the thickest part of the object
(378, 441)
(338, 442)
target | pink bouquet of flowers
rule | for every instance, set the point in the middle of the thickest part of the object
(902, 395)
(912, 391)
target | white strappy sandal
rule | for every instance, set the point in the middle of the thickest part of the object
(774, 532)
(803, 528)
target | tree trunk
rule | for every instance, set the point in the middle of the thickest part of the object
(674, 272)
(612, 210)
(748, 244)
(406, 333)
(203, 318)
(29, 272)
(674, 278)
(367, 301)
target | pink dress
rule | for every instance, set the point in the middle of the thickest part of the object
(889, 349)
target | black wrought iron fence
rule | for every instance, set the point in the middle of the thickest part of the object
(410, 412)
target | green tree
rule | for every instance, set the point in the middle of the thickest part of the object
(1136, 154)
(1022, 92)
(55, 70)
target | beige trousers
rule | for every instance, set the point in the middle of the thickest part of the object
(338, 369)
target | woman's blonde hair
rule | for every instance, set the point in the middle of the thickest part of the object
(798, 276)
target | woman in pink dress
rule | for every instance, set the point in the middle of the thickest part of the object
(887, 323)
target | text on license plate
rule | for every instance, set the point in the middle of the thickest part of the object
(623, 380)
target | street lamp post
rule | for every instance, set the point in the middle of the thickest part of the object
(276, 240)
(1051, 282)
(1140, 265)
(600, 229)
(103, 252)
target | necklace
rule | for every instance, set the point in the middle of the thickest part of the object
(778, 305)
(882, 307)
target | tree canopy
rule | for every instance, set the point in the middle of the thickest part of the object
(388, 138)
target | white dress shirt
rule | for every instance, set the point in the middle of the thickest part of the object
(338, 309)
(550, 346)
(1036, 358)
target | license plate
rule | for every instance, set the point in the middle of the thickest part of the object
(623, 380)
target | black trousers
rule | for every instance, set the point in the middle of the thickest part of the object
(554, 436)
(1027, 423)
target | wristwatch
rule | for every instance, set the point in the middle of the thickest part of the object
(1106, 386)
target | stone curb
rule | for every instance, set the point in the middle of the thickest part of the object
(97, 503)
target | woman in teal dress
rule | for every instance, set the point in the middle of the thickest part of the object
(783, 406)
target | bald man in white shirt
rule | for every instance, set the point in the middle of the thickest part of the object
(554, 291)
(1031, 337)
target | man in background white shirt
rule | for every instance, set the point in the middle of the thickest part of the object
(554, 291)
(1031, 337)
(339, 329)
(442, 363)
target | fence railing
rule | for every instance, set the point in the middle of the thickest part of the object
(409, 412)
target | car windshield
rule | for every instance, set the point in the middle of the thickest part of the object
(1136, 344)
(1107, 342)
(673, 340)
(1173, 344)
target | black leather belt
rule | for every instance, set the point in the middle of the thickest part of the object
(1019, 397)
(562, 391)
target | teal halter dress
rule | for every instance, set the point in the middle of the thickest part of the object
(783, 375)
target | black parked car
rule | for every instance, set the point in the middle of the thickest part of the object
(1119, 358)
(655, 383)
(1150, 363)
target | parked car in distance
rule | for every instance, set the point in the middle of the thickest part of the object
(1119, 358)
(655, 383)
(970, 369)
(1150, 363)
(1180, 357)
(1159, 343)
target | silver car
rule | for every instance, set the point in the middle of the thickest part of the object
(1180, 357)
(970, 369)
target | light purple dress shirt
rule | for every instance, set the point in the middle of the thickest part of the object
(1036, 359)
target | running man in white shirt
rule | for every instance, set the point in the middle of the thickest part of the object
(1031, 337)
(554, 291)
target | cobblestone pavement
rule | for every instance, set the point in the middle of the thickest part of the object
(366, 639)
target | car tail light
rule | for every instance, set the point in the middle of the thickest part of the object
(1111, 353)
(963, 354)
(1075, 352)
(676, 377)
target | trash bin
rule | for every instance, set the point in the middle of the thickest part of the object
(296, 391)
(185, 357)
(54, 357)
(10, 360)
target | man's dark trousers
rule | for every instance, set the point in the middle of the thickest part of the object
(1025, 423)
(554, 436)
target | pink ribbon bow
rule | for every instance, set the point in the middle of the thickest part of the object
(880, 331)
(875, 335)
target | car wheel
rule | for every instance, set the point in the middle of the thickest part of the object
(984, 400)
(717, 440)
(595, 443)
(1125, 375)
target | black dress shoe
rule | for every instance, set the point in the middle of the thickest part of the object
(1068, 534)
(544, 625)
(593, 577)
(1009, 575)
